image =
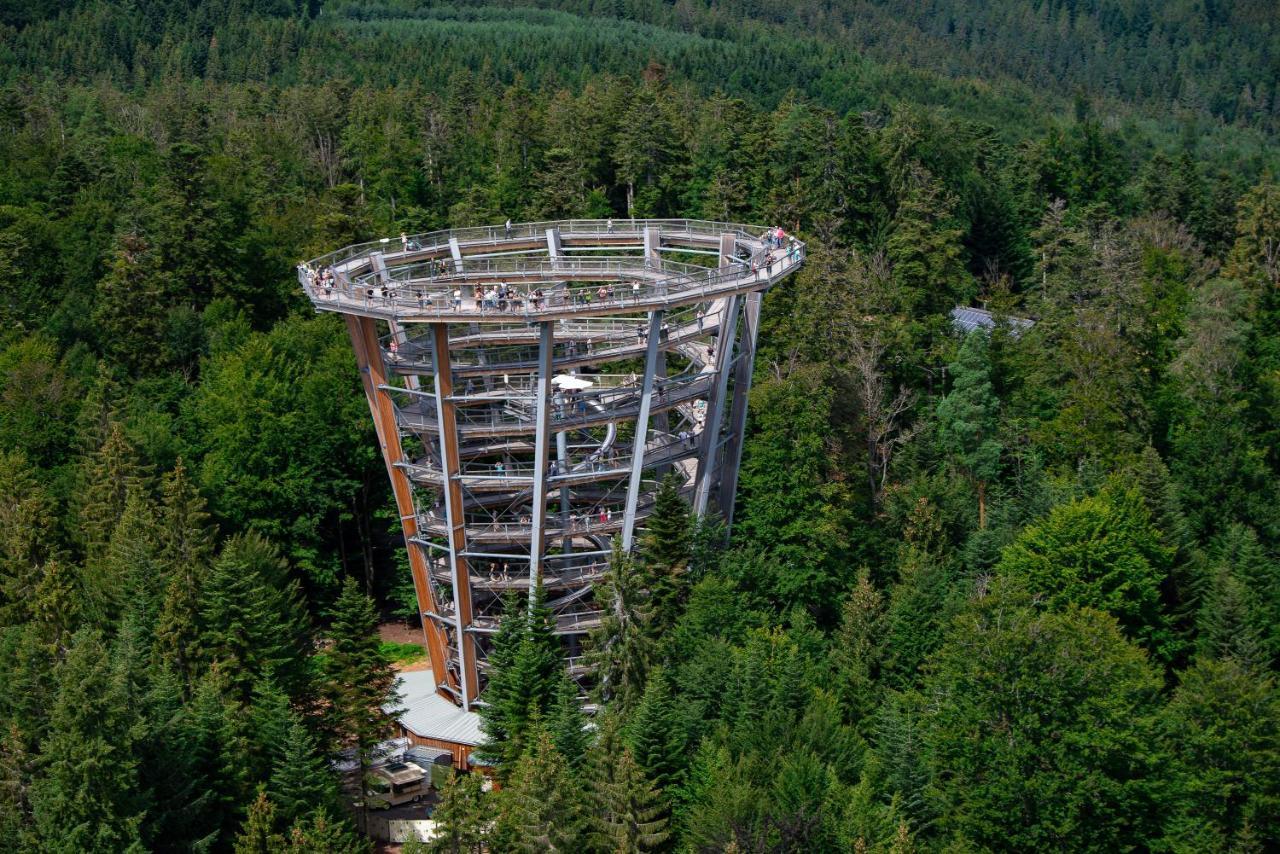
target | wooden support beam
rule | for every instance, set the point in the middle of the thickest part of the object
(362, 330)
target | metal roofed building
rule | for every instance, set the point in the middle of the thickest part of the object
(531, 384)
(430, 719)
(966, 319)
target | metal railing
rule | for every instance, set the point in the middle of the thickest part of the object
(436, 241)
(649, 287)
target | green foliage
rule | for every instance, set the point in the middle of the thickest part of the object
(540, 808)
(356, 680)
(85, 796)
(525, 675)
(462, 816)
(1038, 732)
(1099, 552)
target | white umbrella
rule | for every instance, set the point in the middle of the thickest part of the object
(570, 381)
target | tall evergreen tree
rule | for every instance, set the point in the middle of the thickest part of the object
(85, 795)
(967, 419)
(541, 807)
(358, 682)
(622, 647)
(300, 781)
(252, 618)
(665, 550)
(633, 815)
(655, 733)
(462, 816)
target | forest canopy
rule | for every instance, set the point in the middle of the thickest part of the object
(1006, 590)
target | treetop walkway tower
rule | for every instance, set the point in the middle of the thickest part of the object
(530, 384)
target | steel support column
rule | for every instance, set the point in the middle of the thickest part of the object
(455, 519)
(362, 330)
(715, 406)
(541, 454)
(741, 393)
(642, 428)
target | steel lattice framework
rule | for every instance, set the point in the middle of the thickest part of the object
(530, 384)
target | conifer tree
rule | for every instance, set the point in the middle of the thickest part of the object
(322, 832)
(665, 549)
(567, 724)
(26, 535)
(655, 733)
(632, 812)
(462, 816)
(300, 780)
(216, 743)
(85, 797)
(131, 309)
(186, 534)
(622, 647)
(106, 478)
(258, 835)
(522, 680)
(126, 576)
(967, 419)
(358, 681)
(540, 808)
(858, 649)
(252, 620)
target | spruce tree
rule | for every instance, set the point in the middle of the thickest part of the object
(357, 679)
(85, 794)
(258, 835)
(522, 680)
(967, 419)
(567, 723)
(858, 650)
(323, 832)
(633, 815)
(27, 522)
(621, 649)
(665, 549)
(541, 807)
(462, 816)
(655, 734)
(106, 477)
(252, 618)
(300, 780)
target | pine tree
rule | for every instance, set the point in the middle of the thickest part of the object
(258, 835)
(26, 535)
(622, 647)
(665, 549)
(215, 740)
(186, 534)
(567, 724)
(252, 617)
(132, 307)
(462, 816)
(1228, 624)
(656, 735)
(632, 812)
(357, 680)
(522, 680)
(15, 783)
(858, 650)
(84, 797)
(106, 478)
(540, 809)
(967, 418)
(320, 832)
(125, 577)
(300, 781)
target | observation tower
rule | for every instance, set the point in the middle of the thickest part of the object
(531, 384)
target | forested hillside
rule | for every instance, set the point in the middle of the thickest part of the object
(1016, 591)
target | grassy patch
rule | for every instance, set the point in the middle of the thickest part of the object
(401, 653)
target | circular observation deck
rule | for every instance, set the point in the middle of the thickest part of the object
(533, 384)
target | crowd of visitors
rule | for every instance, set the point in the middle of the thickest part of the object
(778, 245)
